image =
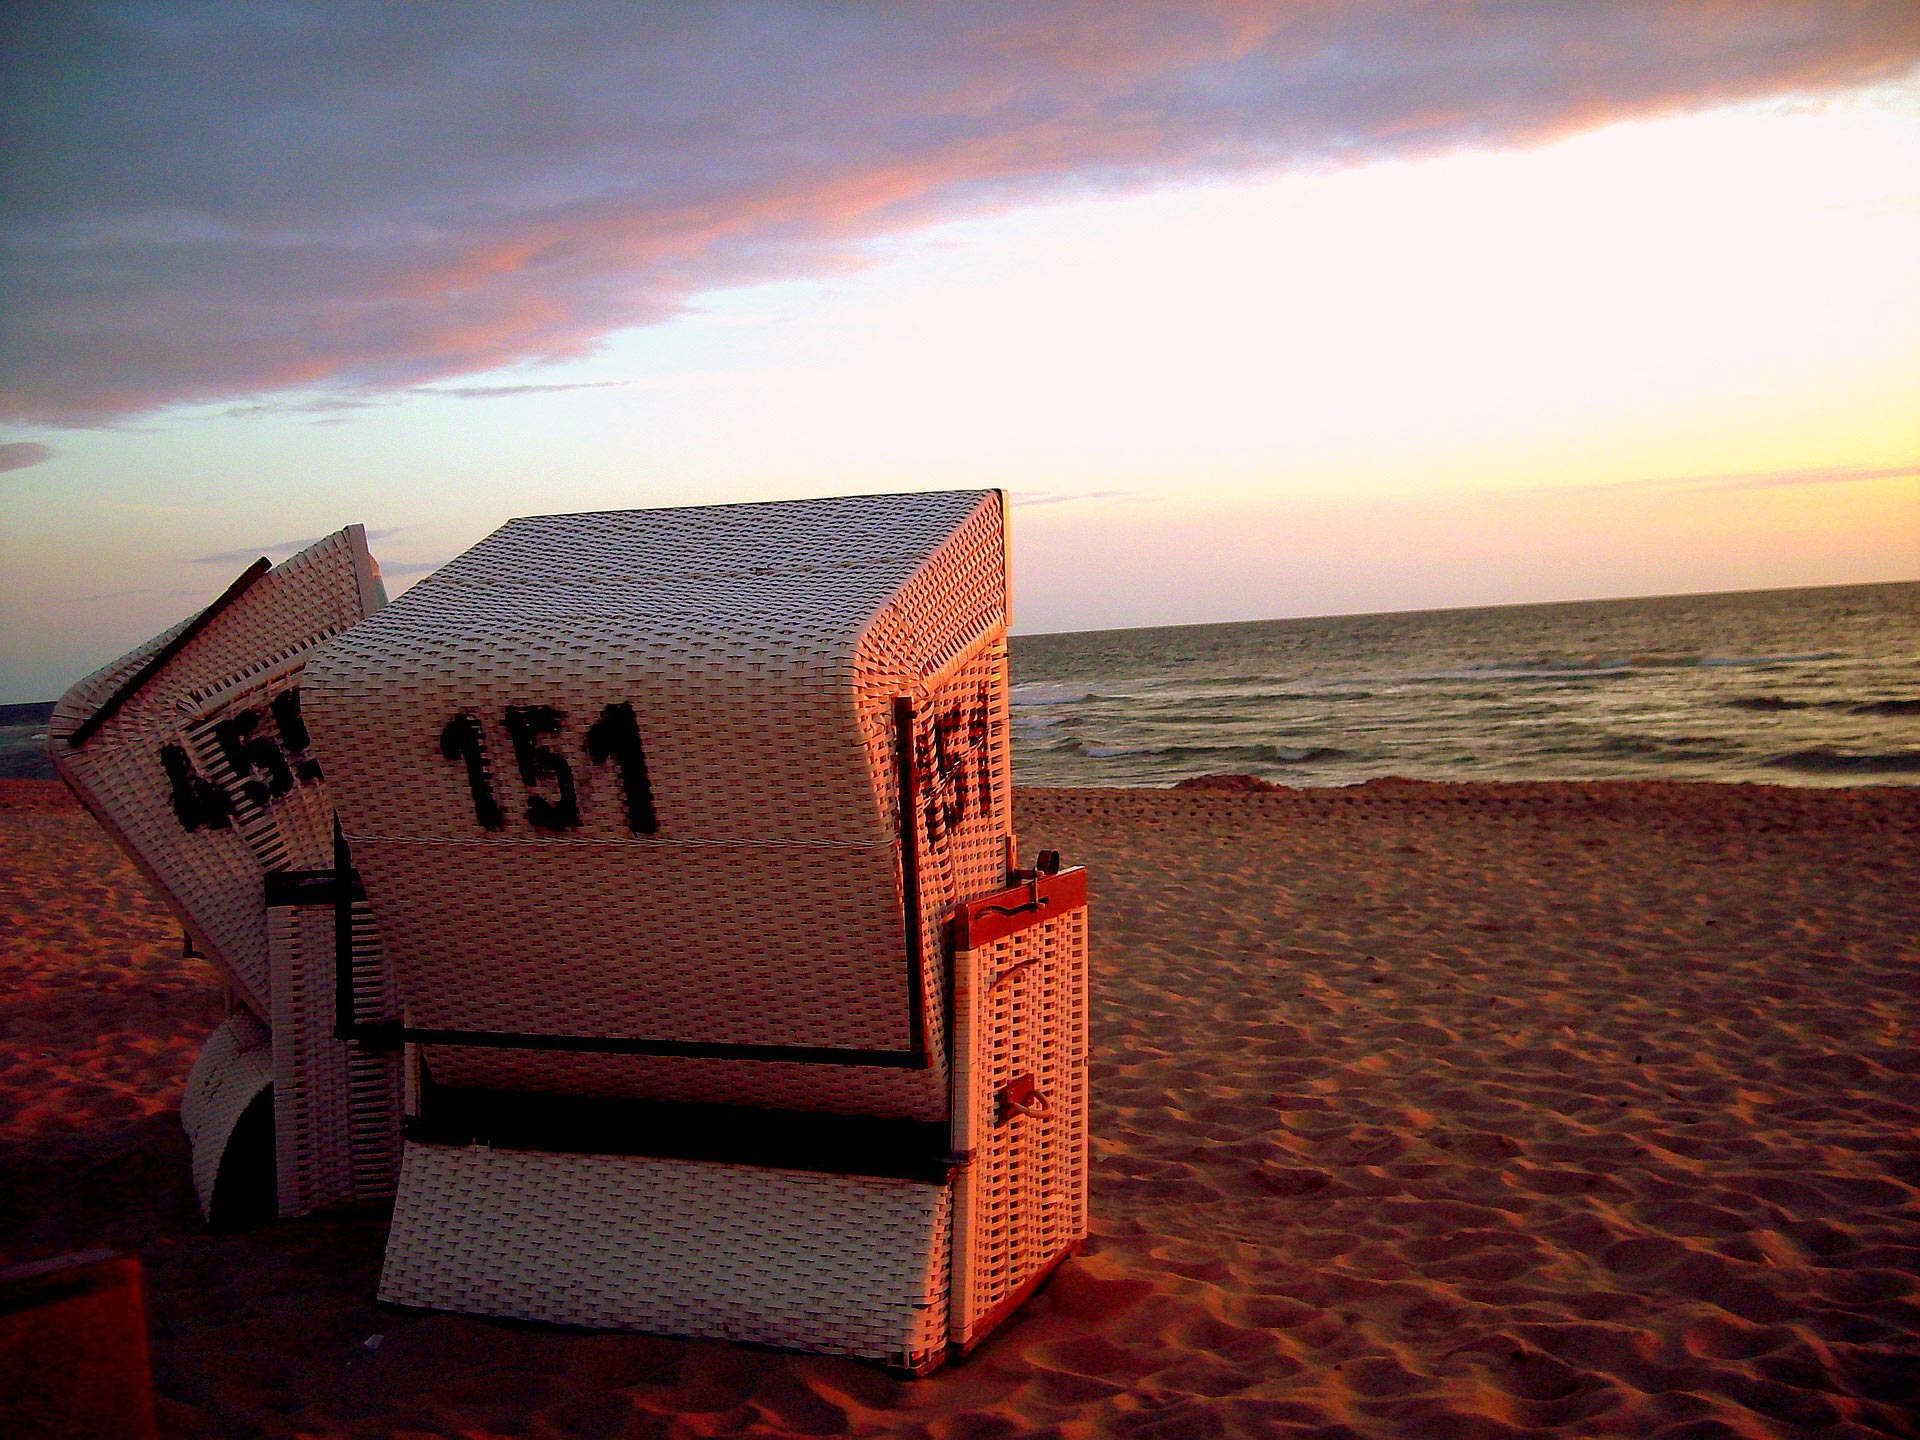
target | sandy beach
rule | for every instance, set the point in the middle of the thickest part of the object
(1420, 1110)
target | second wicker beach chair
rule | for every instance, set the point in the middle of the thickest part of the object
(193, 752)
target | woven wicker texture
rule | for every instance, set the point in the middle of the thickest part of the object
(233, 1067)
(758, 899)
(1020, 1011)
(336, 1103)
(837, 1265)
(153, 772)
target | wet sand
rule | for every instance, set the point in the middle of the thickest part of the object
(1421, 1110)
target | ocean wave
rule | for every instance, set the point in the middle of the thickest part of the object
(1851, 707)
(1270, 754)
(1664, 747)
(1312, 752)
(1722, 661)
(1262, 754)
(1551, 665)
(1480, 674)
(1165, 700)
(1821, 760)
(1560, 666)
(1215, 682)
(1046, 692)
(1769, 702)
(1174, 704)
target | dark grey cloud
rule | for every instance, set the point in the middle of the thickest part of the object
(216, 201)
(19, 454)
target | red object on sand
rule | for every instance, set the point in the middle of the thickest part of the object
(73, 1350)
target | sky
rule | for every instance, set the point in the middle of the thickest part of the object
(1256, 309)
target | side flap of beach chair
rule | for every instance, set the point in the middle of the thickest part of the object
(931, 672)
(336, 1057)
(1020, 1095)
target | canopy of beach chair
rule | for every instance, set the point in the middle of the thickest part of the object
(623, 791)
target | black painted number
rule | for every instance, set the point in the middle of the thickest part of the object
(553, 797)
(293, 735)
(615, 736)
(197, 801)
(264, 768)
(256, 761)
(953, 759)
(462, 740)
(539, 764)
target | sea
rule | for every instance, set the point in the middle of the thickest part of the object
(1786, 687)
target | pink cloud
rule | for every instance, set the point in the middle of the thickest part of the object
(218, 202)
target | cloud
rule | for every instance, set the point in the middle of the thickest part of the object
(212, 202)
(146, 593)
(1023, 498)
(1829, 475)
(337, 408)
(1752, 480)
(495, 392)
(279, 550)
(392, 569)
(333, 406)
(19, 454)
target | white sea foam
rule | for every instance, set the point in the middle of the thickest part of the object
(1046, 692)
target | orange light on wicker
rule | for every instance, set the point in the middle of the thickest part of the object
(669, 823)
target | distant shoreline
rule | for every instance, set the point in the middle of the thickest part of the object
(1594, 600)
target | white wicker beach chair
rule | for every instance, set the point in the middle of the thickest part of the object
(688, 834)
(194, 754)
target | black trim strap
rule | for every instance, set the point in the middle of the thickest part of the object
(728, 1134)
(131, 687)
(703, 1050)
(909, 782)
